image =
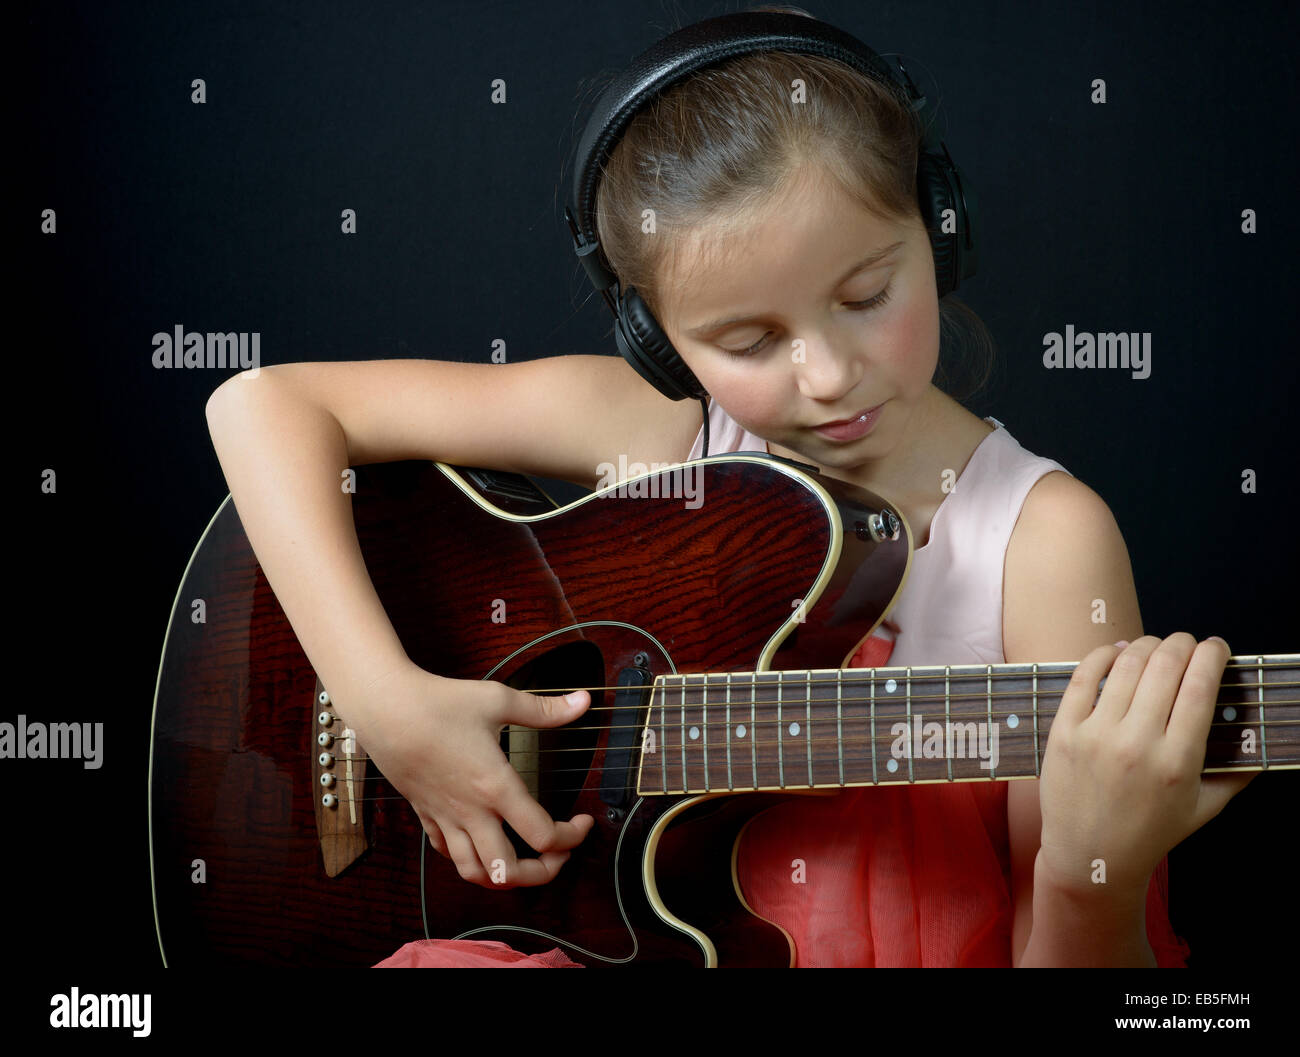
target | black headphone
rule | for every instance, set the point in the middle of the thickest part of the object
(939, 182)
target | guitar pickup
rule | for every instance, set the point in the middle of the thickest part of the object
(625, 726)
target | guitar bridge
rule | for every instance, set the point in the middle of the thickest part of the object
(339, 775)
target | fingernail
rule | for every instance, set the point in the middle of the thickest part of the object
(1122, 643)
(1217, 639)
(573, 698)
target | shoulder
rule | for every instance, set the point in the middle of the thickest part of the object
(1067, 579)
(1063, 520)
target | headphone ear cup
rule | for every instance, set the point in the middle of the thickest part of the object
(646, 347)
(934, 196)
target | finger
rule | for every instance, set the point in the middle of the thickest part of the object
(1189, 725)
(505, 868)
(1164, 680)
(495, 852)
(463, 855)
(434, 833)
(544, 710)
(532, 822)
(539, 871)
(1081, 692)
(1217, 790)
(1124, 678)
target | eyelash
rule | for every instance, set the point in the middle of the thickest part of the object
(857, 306)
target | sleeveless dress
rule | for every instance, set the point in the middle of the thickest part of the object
(915, 876)
(897, 876)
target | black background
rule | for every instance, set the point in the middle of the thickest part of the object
(226, 217)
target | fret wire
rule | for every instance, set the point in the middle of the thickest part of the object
(874, 779)
(780, 741)
(663, 731)
(911, 749)
(1261, 664)
(704, 722)
(730, 784)
(1009, 695)
(686, 781)
(808, 733)
(1036, 752)
(1263, 726)
(992, 770)
(947, 715)
(1063, 675)
(839, 717)
(753, 723)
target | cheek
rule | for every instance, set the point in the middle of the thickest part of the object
(756, 400)
(913, 346)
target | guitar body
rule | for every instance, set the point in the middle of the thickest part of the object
(483, 578)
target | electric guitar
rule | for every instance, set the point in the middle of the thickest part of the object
(710, 605)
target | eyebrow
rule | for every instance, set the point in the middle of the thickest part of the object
(872, 258)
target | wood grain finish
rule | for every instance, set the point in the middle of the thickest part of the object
(588, 592)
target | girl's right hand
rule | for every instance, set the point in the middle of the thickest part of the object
(437, 742)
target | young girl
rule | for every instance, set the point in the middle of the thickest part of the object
(794, 275)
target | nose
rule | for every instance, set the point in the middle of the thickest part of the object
(823, 372)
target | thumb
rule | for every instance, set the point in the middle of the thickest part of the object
(538, 710)
(1217, 790)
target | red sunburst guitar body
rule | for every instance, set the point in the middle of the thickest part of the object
(483, 578)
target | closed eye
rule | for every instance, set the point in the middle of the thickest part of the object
(857, 306)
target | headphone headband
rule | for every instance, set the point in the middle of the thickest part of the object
(672, 60)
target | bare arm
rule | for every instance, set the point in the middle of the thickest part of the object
(283, 457)
(284, 438)
(1065, 553)
(1121, 783)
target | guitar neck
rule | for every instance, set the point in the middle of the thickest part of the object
(830, 728)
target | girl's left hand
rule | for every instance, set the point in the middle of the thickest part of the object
(1122, 781)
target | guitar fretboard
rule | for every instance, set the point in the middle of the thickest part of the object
(749, 731)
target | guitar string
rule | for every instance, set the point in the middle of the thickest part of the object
(895, 699)
(770, 678)
(1013, 754)
(864, 783)
(889, 704)
(723, 725)
(666, 692)
(886, 705)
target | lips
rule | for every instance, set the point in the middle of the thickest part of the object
(852, 418)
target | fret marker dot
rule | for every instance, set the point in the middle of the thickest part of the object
(890, 686)
(1013, 721)
(1229, 713)
(694, 733)
(891, 765)
(740, 731)
(794, 730)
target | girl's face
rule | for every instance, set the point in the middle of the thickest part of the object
(769, 326)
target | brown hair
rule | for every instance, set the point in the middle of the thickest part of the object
(714, 147)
